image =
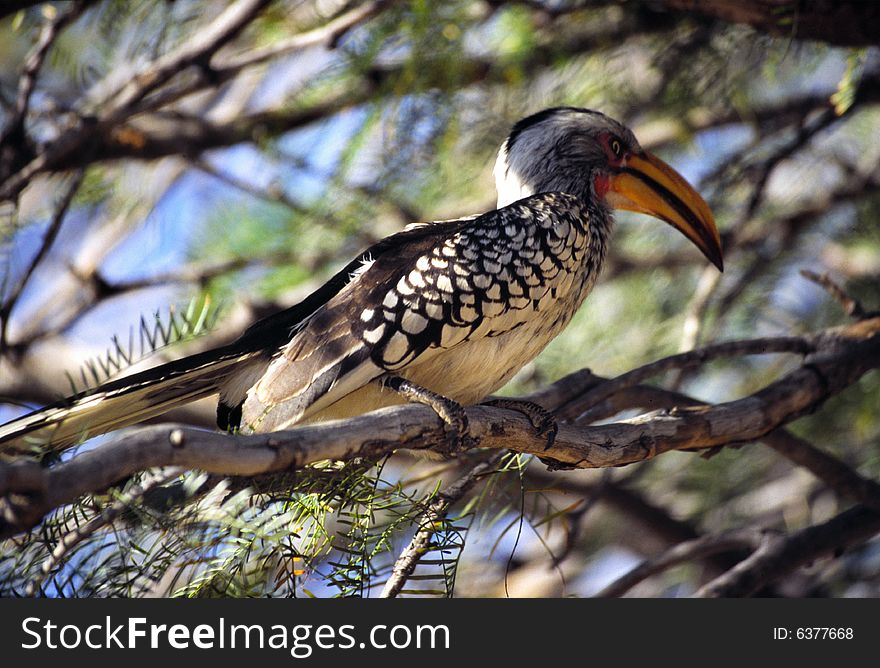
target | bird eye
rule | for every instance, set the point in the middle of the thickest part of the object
(616, 148)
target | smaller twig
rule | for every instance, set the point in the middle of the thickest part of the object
(575, 518)
(107, 516)
(652, 521)
(760, 346)
(34, 62)
(697, 549)
(225, 69)
(851, 306)
(270, 194)
(787, 230)
(695, 313)
(839, 477)
(806, 131)
(48, 240)
(199, 273)
(328, 34)
(121, 103)
(780, 555)
(430, 522)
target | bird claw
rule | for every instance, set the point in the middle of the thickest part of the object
(455, 425)
(542, 420)
(556, 465)
(455, 420)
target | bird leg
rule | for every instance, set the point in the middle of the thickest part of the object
(542, 420)
(455, 421)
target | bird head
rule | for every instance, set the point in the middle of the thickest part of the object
(587, 154)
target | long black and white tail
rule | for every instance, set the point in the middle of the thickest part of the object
(123, 401)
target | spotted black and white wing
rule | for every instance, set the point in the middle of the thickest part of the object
(441, 288)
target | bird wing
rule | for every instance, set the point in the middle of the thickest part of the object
(429, 289)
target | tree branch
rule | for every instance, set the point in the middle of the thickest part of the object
(834, 473)
(689, 359)
(193, 52)
(51, 234)
(699, 548)
(842, 356)
(778, 555)
(154, 136)
(430, 522)
(15, 145)
(851, 306)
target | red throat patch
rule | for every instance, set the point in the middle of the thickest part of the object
(601, 185)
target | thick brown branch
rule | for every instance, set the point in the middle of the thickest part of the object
(842, 356)
(838, 476)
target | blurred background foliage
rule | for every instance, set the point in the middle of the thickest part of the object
(240, 187)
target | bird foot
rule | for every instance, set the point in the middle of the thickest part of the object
(542, 420)
(455, 420)
(556, 465)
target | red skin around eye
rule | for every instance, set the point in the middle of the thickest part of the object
(601, 184)
(605, 140)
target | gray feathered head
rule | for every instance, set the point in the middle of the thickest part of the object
(590, 155)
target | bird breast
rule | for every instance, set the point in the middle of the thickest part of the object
(472, 311)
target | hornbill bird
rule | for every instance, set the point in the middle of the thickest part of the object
(444, 313)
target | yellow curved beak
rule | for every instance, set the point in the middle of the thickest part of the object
(648, 185)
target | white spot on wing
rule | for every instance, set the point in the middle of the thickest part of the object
(451, 335)
(413, 323)
(391, 299)
(373, 335)
(416, 279)
(434, 310)
(443, 283)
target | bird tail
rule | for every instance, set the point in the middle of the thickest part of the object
(122, 402)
